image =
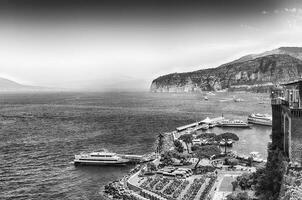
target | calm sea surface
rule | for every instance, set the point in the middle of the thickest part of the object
(40, 133)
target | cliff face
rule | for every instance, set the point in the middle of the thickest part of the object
(247, 73)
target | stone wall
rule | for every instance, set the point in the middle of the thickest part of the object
(296, 140)
(277, 133)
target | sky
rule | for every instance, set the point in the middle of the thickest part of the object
(101, 45)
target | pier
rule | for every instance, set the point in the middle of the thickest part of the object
(196, 124)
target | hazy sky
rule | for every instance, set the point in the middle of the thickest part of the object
(82, 44)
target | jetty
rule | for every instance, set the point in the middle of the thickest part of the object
(185, 127)
(197, 124)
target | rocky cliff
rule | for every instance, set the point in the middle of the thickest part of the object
(252, 72)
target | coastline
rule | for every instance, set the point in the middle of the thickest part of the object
(123, 189)
(119, 189)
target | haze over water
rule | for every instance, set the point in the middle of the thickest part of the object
(40, 133)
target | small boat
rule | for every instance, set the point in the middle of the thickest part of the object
(233, 123)
(204, 127)
(238, 100)
(256, 157)
(206, 98)
(99, 158)
(229, 143)
(261, 119)
(212, 125)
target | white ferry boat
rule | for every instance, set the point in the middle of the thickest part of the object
(233, 123)
(261, 119)
(99, 158)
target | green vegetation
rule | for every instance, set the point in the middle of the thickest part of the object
(187, 138)
(178, 146)
(206, 152)
(206, 135)
(265, 182)
(239, 196)
(269, 180)
(160, 142)
(225, 137)
(151, 166)
(169, 158)
(231, 161)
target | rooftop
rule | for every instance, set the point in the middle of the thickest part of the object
(293, 83)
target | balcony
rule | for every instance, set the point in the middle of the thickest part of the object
(279, 101)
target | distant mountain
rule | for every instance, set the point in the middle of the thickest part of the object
(295, 52)
(255, 72)
(7, 85)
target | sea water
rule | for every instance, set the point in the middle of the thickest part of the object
(41, 132)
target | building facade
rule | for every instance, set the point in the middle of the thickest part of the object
(287, 120)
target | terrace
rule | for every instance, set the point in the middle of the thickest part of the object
(289, 95)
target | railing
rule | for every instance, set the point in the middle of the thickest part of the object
(276, 101)
(296, 112)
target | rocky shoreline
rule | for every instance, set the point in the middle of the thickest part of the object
(118, 189)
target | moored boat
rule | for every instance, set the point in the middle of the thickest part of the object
(100, 158)
(230, 143)
(261, 119)
(233, 123)
(204, 127)
(212, 125)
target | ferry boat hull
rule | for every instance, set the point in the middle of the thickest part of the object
(100, 158)
(259, 122)
(260, 119)
(96, 163)
(234, 125)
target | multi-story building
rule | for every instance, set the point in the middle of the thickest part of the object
(287, 120)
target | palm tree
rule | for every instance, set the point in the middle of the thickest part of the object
(225, 137)
(206, 152)
(187, 138)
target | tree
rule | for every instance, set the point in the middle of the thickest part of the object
(206, 152)
(151, 166)
(233, 162)
(244, 181)
(160, 138)
(178, 146)
(195, 147)
(239, 196)
(207, 135)
(225, 137)
(249, 161)
(235, 185)
(167, 157)
(187, 138)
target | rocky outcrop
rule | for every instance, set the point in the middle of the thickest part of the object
(248, 73)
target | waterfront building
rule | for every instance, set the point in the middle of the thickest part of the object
(287, 120)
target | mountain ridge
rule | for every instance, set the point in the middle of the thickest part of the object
(255, 72)
(7, 85)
